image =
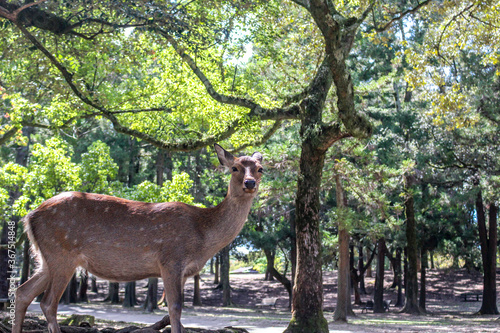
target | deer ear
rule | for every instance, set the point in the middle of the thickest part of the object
(257, 156)
(225, 158)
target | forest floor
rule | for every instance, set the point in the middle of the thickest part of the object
(445, 311)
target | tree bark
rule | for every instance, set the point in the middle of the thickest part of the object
(224, 275)
(270, 263)
(378, 297)
(307, 304)
(71, 292)
(293, 253)
(197, 294)
(277, 275)
(361, 272)
(26, 261)
(423, 277)
(113, 294)
(160, 166)
(488, 241)
(93, 284)
(130, 299)
(400, 300)
(355, 276)
(151, 302)
(411, 281)
(343, 292)
(217, 269)
(83, 287)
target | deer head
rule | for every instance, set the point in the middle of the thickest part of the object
(246, 172)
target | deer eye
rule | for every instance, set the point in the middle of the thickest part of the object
(235, 169)
(260, 170)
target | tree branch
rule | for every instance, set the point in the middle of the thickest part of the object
(267, 136)
(402, 15)
(8, 135)
(303, 3)
(13, 16)
(331, 134)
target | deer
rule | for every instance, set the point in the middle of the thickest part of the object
(123, 240)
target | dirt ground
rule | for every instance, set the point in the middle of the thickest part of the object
(446, 313)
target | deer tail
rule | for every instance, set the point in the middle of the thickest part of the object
(35, 250)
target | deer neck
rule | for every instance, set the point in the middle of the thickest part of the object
(227, 219)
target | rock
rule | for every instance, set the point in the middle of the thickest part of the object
(77, 320)
(128, 329)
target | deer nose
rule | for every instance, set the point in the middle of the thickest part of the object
(250, 183)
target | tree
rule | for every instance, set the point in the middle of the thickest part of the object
(344, 294)
(465, 109)
(175, 25)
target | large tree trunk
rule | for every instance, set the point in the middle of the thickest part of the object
(307, 308)
(411, 281)
(378, 297)
(224, 275)
(343, 292)
(488, 241)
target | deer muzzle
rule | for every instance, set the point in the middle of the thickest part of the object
(249, 184)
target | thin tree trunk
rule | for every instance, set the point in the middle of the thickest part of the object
(423, 281)
(93, 284)
(378, 297)
(197, 294)
(83, 287)
(71, 292)
(343, 294)
(369, 271)
(130, 299)
(26, 261)
(151, 302)
(355, 276)
(362, 288)
(411, 281)
(217, 269)
(113, 295)
(280, 277)
(270, 263)
(293, 254)
(488, 241)
(226, 287)
(400, 300)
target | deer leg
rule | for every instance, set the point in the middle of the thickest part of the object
(25, 295)
(59, 280)
(173, 290)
